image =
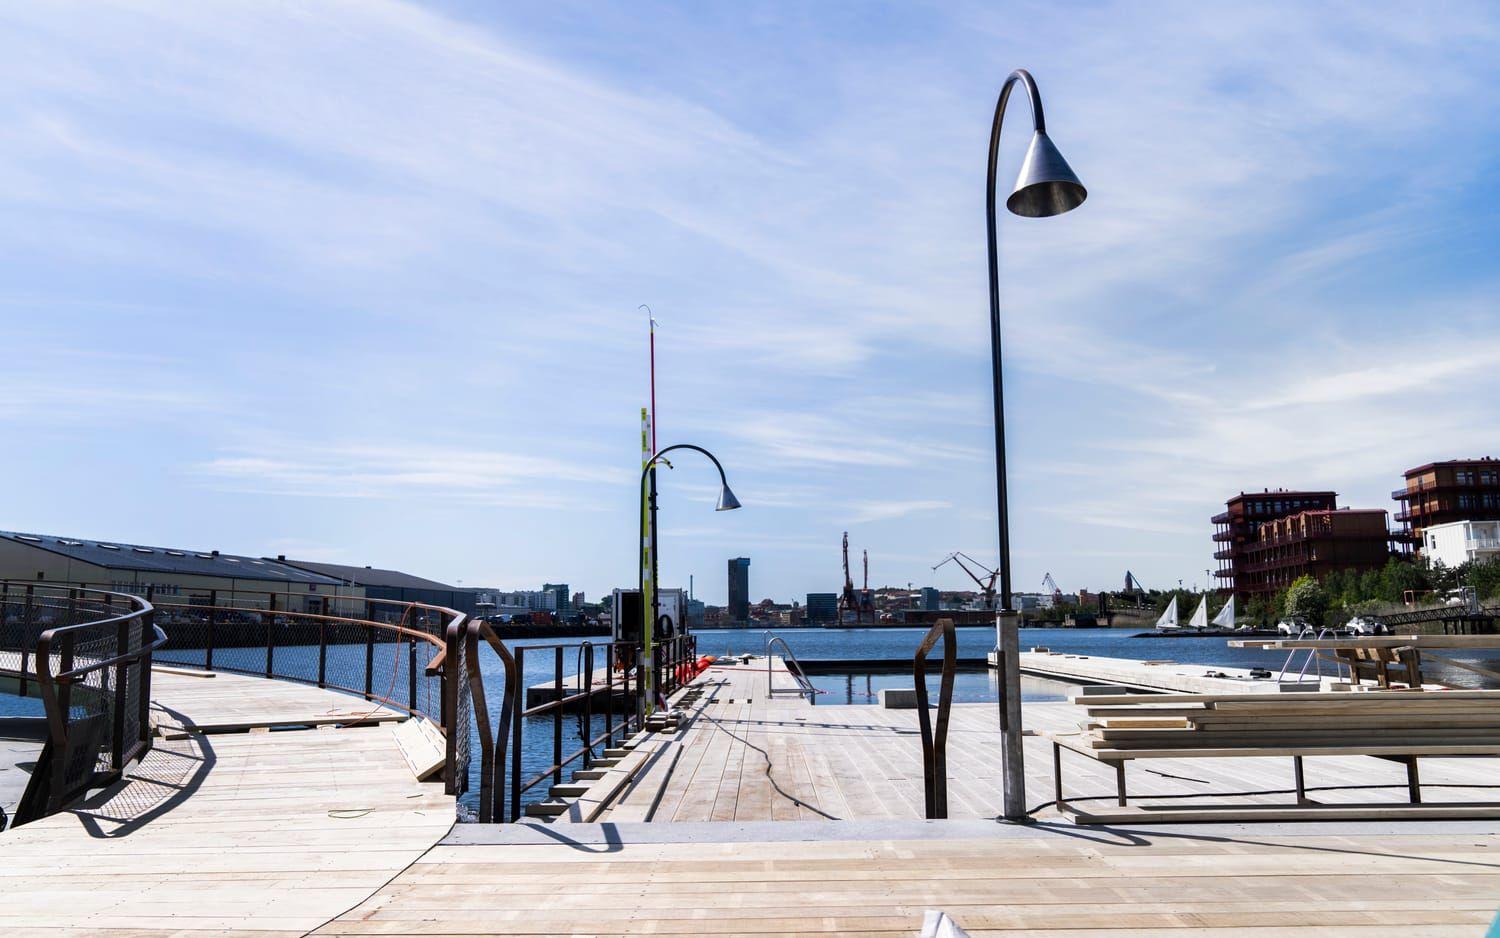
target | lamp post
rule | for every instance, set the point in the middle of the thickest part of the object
(1045, 187)
(727, 502)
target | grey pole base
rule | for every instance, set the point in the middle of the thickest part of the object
(1012, 762)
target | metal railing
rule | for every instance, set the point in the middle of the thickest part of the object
(405, 656)
(804, 687)
(676, 659)
(935, 738)
(621, 713)
(423, 660)
(88, 652)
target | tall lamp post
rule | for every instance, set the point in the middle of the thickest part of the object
(727, 502)
(1046, 187)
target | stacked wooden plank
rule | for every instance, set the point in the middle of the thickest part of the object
(1370, 723)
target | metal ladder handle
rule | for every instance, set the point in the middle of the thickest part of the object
(804, 685)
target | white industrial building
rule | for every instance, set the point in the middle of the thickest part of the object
(1459, 542)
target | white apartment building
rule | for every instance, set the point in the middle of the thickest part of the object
(1459, 542)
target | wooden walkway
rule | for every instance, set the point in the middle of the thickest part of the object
(742, 757)
(755, 817)
(995, 880)
(264, 832)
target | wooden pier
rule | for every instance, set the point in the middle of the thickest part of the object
(1163, 676)
(750, 815)
(772, 816)
(233, 822)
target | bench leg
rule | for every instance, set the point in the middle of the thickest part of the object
(1300, 779)
(1057, 786)
(1413, 782)
(1120, 782)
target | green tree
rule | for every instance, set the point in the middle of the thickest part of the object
(1401, 577)
(1483, 576)
(1307, 599)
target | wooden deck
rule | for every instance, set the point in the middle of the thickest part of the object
(742, 757)
(755, 817)
(267, 832)
(853, 879)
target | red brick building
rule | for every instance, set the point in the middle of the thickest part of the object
(1443, 492)
(1313, 543)
(1239, 524)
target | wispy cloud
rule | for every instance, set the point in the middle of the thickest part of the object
(395, 468)
(891, 510)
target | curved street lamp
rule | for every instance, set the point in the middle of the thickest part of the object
(1046, 186)
(727, 502)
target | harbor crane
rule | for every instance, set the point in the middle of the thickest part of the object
(1050, 584)
(849, 600)
(986, 585)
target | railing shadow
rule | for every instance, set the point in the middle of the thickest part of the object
(165, 777)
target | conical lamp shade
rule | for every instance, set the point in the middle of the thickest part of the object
(1047, 185)
(727, 501)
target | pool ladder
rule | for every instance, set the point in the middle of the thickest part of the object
(1313, 658)
(804, 687)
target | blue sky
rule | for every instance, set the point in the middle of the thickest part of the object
(359, 281)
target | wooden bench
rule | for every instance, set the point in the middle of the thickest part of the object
(1401, 726)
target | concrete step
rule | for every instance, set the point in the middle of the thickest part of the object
(567, 791)
(548, 808)
(588, 775)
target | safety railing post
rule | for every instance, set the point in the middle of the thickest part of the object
(322, 653)
(557, 714)
(27, 639)
(148, 633)
(586, 680)
(609, 696)
(411, 670)
(271, 635)
(515, 749)
(62, 758)
(369, 662)
(122, 679)
(213, 620)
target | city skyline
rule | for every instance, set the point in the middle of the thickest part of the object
(359, 283)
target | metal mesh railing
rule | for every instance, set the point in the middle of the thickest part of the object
(395, 655)
(87, 652)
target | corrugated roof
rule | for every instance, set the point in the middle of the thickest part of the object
(118, 555)
(371, 576)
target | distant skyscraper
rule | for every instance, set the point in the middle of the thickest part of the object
(739, 589)
(564, 601)
(930, 601)
(822, 608)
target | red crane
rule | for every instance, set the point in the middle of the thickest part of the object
(849, 601)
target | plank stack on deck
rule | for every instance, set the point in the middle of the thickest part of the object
(1442, 722)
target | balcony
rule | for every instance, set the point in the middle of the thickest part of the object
(1222, 517)
(1482, 543)
(1225, 554)
(1223, 535)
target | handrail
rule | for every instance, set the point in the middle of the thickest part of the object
(804, 686)
(92, 736)
(516, 689)
(492, 746)
(935, 742)
(1312, 656)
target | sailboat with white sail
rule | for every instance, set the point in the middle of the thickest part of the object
(1168, 618)
(1200, 615)
(1225, 618)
